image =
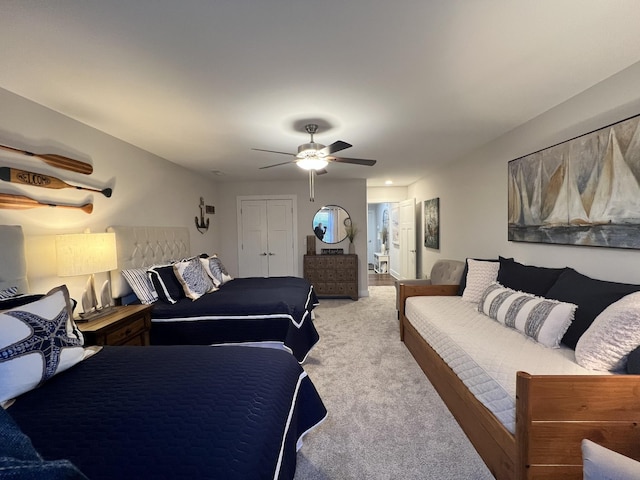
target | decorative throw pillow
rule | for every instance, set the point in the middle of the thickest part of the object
(8, 293)
(141, 285)
(527, 278)
(37, 340)
(19, 300)
(194, 279)
(166, 283)
(592, 297)
(215, 269)
(541, 319)
(633, 362)
(479, 276)
(463, 279)
(612, 336)
(600, 463)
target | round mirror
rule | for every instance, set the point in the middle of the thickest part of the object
(329, 224)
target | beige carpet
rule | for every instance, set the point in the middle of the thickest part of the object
(385, 419)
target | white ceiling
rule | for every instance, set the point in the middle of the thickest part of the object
(407, 82)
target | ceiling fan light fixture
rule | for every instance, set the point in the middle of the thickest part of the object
(312, 163)
(312, 149)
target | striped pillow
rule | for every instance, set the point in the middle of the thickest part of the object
(543, 320)
(139, 282)
(8, 293)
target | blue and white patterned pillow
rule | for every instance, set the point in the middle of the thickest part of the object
(194, 279)
(543, 320)
(37, 341)
(8, 293)
(141, 285)
(215, 269)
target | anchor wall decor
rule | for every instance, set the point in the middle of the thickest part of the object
(201, 224)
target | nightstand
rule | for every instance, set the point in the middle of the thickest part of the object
(124, 325)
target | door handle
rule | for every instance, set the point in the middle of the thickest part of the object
(270, 254)
(263, 254)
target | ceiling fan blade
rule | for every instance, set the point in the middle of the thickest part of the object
(277, 164)
(273, 151)
(321, 172)
(335, 147)
(355, 161)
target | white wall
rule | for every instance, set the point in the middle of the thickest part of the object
(349, 194)
(473, 190)
(147, 190)
(386, 194)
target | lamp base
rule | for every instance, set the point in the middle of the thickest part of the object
(93, 315)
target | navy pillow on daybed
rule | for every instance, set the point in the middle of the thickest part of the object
(20, 460)
(592, 297)
(527, 278)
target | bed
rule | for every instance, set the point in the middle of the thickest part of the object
(553, 413)
(275, 310)
(232, 412)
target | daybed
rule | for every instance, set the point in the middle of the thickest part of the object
(223, 412)
(241, 310)
(528, 422)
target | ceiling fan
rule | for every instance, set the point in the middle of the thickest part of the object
(314, 157)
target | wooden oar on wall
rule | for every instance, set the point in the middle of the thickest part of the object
(57, 161)
(40, 180)
(21, 202)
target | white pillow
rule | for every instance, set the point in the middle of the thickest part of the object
(141, 285)
(215, 269)
(601, 463)
(612, 336)
(37, 340)
(194, 279)
(479, 276)
(543, 320)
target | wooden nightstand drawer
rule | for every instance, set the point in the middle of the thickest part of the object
(124, 332)
(128, 325)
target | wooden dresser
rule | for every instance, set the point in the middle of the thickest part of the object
(333, 275)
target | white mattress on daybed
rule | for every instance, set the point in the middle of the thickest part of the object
(484, 354)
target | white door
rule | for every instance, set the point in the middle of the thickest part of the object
(280, 238)
(407, 225)
(253, 256)
(266, 236)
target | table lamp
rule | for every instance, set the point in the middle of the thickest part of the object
(88, 254)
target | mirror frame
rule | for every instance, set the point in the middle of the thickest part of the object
(338, 229)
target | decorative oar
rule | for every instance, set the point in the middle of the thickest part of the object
(57, 161)
(20, 202)
(39, 180)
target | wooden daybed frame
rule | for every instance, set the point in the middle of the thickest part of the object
(553, 412)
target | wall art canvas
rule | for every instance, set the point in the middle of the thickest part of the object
(395, 227)
(432, 223)
(584, 191)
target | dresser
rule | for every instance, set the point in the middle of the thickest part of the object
(332, 275)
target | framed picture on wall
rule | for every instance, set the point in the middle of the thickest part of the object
(432, 223)
(395, 227)
(584, 191)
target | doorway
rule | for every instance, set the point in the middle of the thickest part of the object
(382, 253)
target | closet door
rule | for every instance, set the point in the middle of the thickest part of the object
(280, 238)
(253, 255)
(266, 238)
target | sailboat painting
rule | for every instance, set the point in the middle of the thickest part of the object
(584, 191)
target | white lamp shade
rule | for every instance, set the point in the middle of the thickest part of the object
(86, 253)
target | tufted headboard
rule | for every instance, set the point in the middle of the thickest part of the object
(143, 247)
(13, 263)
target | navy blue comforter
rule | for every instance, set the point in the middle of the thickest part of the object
(251, 309)
(175, 412)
